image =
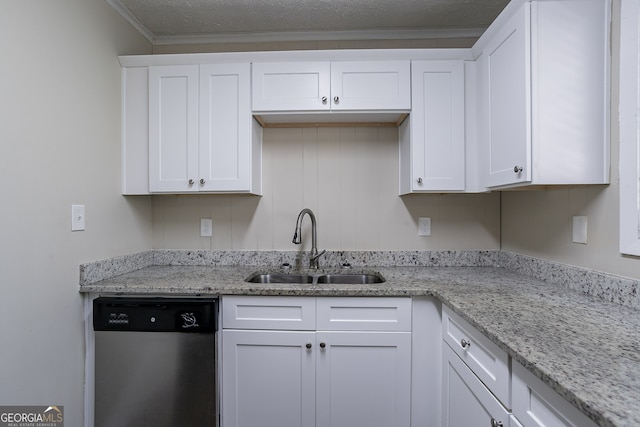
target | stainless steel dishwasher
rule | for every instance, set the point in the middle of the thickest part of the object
(155, 362)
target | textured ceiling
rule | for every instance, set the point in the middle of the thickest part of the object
(162, 19)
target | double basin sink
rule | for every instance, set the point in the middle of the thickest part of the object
(320, 278)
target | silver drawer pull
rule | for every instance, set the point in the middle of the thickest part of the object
(496, 423)
(465, 344)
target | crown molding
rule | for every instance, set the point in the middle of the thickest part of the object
(131, 19)
(294, 36)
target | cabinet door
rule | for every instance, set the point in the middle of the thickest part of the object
(537, 405)
(225, 128)
(173, 128)
(506, 65)
(437, 126)
(466, 401)
(291, 86)
(371, 85)
(268, 379)
(514, 422)
(363, 379)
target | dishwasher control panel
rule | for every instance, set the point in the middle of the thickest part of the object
(154, 314)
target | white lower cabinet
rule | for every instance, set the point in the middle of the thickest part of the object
(363, 379)
(536, 405)
(339, 377)
(489, 363)
(466, 401)
(354, 362)
(268, 378)
(483, 387)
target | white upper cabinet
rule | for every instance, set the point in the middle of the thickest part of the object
(543, 109)
(326, 86)
(291, 86)
(506, 64)
(371, 85)
(229, 154)
(201, 133)
(432, 140)
(173, 128)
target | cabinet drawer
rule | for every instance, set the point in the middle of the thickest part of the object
(364, 314)
(466, 401)
(486, 359)
(536, 405)
(286, 313)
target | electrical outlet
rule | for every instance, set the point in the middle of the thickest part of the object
(77, 217)
(424, 226)
(206, 227)
(580, 229)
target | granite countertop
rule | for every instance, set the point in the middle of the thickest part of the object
(583, 347)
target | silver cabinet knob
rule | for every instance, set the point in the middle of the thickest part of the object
(336, 100)
(202, 181)
(308, 346)
(324, 99)
(464, 343)
(191, 182)
(517, 169)
(496, 423)
(419, 180)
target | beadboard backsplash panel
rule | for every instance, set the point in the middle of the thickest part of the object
(349, 178)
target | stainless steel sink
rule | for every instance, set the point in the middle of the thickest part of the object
(351, 278)
(329, 278)
(279, 278)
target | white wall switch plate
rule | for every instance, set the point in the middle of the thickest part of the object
(424, 226)
(206, 227)
(77, 217)
(580, 229)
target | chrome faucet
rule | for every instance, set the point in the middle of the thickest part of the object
(297, 237)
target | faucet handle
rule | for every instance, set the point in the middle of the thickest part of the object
(313, 259)
(319, 254)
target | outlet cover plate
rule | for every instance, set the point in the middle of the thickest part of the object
(206, 227)
(77, 217)
(424, 226)
(580, 229)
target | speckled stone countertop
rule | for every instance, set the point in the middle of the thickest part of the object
(583, 347)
